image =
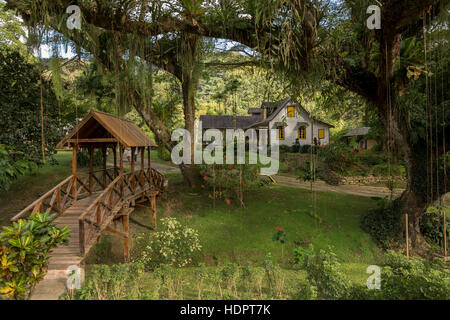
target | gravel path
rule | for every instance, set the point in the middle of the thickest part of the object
(359, 190)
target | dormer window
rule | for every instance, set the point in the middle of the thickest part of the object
(291, 112)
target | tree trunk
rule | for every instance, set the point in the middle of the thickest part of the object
(189, 84)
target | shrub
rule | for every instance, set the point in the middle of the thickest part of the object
(164, 154)
(171, 280)
(175, 244)
(201, 275)
(305, 148)
(285, 149)
(116, 282)
(24, 253)
(296, 148)
(305, 291)
(230, 274)
(401, 279)
(432, 226)
(384, 222)
(415, 278)
(324, 272)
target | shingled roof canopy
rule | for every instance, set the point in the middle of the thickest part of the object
(100, 127)
(227, 122)
(358, 132)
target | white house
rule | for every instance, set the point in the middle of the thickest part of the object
(292, 122)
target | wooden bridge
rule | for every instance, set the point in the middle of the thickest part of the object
(102, 200)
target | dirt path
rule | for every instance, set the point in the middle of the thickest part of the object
(358, 190)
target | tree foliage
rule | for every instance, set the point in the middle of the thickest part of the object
(20, 119)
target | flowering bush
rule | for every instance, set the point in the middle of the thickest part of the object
(339, 156)
(175, 244)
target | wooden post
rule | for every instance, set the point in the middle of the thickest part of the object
(133, 150)
(104, 165)
(407, 235)
(91, 168)
(74, 171)
(153, 203)
(121, 168)
(58, 200)
(149, 158)
(126, 240)
(81, 236)
(142, 166)
(115, 161)
(445, 236)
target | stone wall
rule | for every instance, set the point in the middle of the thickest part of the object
(355, 180)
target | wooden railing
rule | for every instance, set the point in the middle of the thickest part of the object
(113, 201)
(61, 197)
(57, 200)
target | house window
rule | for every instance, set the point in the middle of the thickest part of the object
(281, 133)
(291, 112)
(321, 133)
(302, 133)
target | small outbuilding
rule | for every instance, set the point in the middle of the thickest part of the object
(361, 136)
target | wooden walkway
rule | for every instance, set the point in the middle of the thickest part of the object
(90, 207)
(66, 256)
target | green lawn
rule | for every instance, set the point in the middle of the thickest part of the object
(244, 235)
(229, 232)
(30, 187)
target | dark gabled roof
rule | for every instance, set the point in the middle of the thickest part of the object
(255, 110)
(227, 122)
(100, 125)
(278, 107)
(358, 132)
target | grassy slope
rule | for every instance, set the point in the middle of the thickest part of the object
(30, 187)
(229, 233)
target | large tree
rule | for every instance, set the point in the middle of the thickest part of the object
(300, 36)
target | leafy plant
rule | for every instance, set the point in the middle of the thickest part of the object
(230, 274)
(12, 166)
(174, 244)
(384, 222)
(116, 282)
(24, 254)
(280, 236)
(324, 273)
(432, 225)
(415, 278)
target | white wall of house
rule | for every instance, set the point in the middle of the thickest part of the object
(291, 130)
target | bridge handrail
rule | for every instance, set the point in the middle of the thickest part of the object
(100, 196)
(102, 211)
(39, 201)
